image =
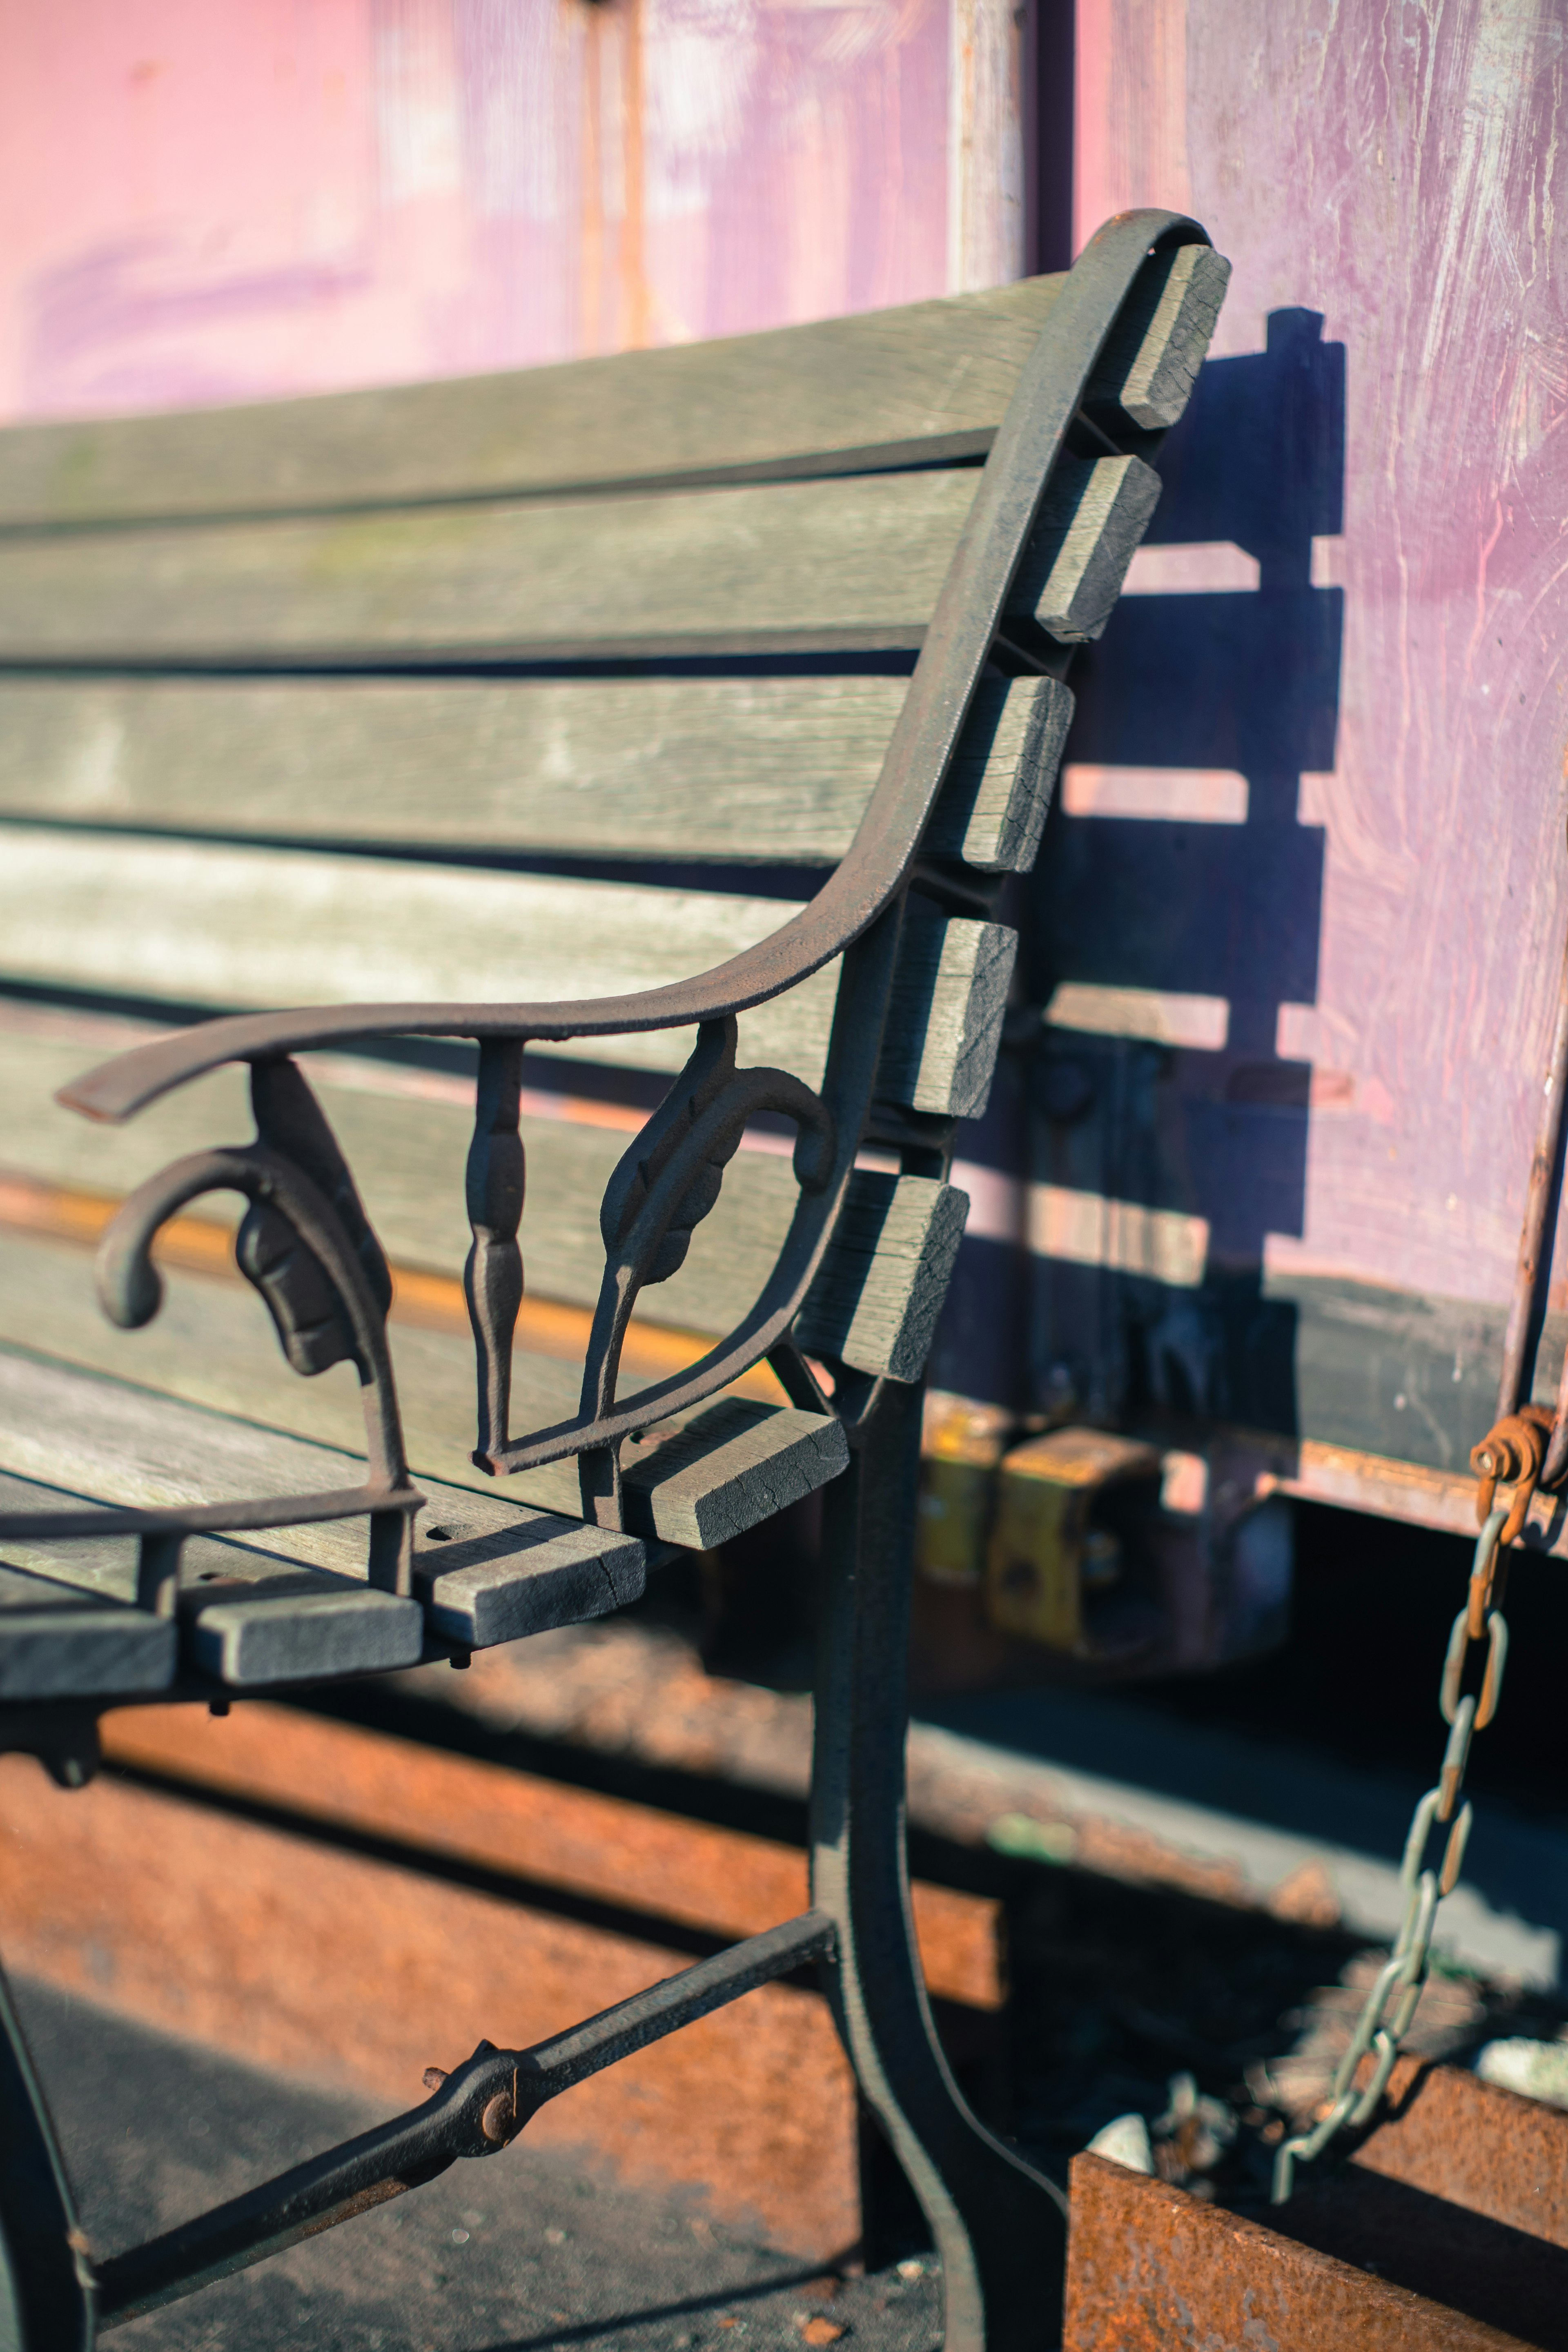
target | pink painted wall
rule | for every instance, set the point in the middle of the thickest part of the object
(1400, 170)
(205, 201)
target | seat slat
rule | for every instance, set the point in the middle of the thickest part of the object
(742, 770)
(734, 1463)
(211, 1345)
(788, 567)
(493, 1570)
(57, 1643)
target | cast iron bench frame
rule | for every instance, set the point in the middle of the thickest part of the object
(998, 2224)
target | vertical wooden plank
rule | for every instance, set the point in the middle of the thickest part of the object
(985, 222)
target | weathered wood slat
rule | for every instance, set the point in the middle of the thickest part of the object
(1149, 364)
(994, 804)
(887, 382)
(247, 1615)
(876, 1300)
(492, 1570)
(212, 925)
(928, 379)
(787, 566)
(304, 1627)
(1093, 517)
(734, 1463)
(945, 1019)
(58, 1642)
(763, 769)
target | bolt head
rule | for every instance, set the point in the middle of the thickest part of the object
(498, 2118)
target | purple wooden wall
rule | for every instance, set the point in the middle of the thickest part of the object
(1383, 931)
(207, 203)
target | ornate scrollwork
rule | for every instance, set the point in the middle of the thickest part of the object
(661, 1190)
(307, 1246)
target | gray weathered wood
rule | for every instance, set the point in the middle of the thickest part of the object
(912, 382)
(880, 1287)
(209, 924)
(773, 770)
(212, 1346)
(58, 1642)
(994, 804)
(787, 566)
(304, 1627)
(247, 1615)
(1092, 523)
(1149, 364)
(945, 1019)
(733, 1464)
(483, 1584)
(505, 1566)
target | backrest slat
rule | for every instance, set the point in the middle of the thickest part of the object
(927, 380)
(786, 567)
(200, 923)
(765, 771)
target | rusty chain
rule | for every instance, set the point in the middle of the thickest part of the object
(1380, 2028)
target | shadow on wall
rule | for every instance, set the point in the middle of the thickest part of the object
(1168, 1130)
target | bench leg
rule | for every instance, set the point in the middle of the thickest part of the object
(46, 2300)
(999, 2227)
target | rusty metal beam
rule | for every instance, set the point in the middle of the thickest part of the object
(1150, 2268)
(1452, 2136)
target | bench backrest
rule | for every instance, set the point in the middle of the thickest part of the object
(411, 694)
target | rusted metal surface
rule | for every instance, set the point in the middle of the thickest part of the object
(436, 1806)
(1150, 2268)
(1513, 1452)
(1475, 2145)
(252, 1938)
(476, 2110)
(1537, 1232)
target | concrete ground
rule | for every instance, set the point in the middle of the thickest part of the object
(520, 2253)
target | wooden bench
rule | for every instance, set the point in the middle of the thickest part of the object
(382, 710)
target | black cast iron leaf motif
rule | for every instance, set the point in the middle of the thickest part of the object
(709, 1071)
(294, 1284)
(299, 1294)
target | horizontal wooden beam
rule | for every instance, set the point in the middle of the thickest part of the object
(722, 1882)
(211, 924)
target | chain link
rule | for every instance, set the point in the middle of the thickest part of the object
(1385, 2019)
